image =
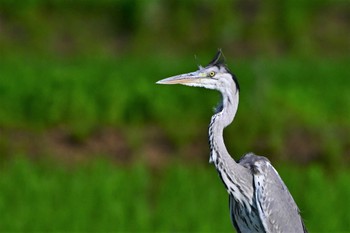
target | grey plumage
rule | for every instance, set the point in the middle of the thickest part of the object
(259, 201)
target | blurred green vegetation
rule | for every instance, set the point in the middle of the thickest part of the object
(271, 27)
(281, 99)
(102, 148)
(101, 197)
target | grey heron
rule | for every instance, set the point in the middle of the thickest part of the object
(259, 201)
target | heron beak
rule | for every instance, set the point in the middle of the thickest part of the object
(185, 79)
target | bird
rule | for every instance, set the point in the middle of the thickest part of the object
(259, 200)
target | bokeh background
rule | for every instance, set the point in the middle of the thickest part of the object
(89, 143)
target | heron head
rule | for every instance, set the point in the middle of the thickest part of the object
(214, 76)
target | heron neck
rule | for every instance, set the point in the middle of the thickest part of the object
(224, 116)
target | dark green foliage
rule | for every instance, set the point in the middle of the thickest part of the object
(93, 26)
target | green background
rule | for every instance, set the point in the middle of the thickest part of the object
(89, 143)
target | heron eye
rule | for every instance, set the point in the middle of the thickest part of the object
(212, 74)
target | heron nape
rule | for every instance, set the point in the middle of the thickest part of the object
(259, 201)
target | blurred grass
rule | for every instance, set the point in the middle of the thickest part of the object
(89, 198)
(102, 197)
(278, 96)
(43, 93)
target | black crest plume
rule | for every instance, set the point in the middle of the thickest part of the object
(218, 60)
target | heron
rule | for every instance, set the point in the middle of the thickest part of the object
(259, 201)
